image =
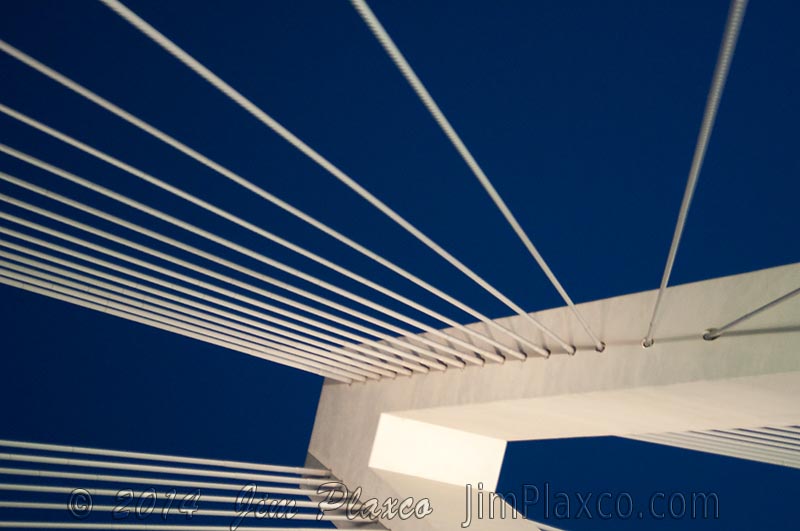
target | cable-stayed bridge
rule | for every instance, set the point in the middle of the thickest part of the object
(409, 407)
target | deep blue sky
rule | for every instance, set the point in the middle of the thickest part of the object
(585, 117)
(608, 473)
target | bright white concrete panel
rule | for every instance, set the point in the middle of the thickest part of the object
(436, 453)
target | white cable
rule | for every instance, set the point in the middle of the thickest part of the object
(755, 440)
(94, 293)
(304, 148)
(162, 469)
(142, 527)
(152, 481)
(4, 279)
(123, 310)
(732, 27)
(422, 92)
(232, 265)
(184, 305)
(714, 333)
(192, 281)
(407, 360)
(105, 104)
(227, 263)
(164, 495)
(790, 431)
(761, 432)
(357, 518)
(248, 252)
(220, 463)
(210, 320)
(716, 439)
(278, 265)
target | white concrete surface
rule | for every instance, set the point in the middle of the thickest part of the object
(437, 453)
(750, 378)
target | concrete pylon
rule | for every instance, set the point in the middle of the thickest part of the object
(430, 435)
